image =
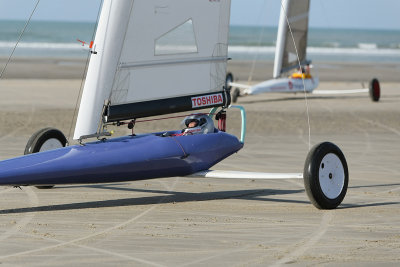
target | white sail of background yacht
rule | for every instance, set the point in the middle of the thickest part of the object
(296, 12)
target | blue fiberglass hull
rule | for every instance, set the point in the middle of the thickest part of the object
(120, 159)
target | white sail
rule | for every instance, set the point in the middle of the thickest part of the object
(297, 13)
(151, 54)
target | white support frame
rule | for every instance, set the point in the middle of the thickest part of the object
(245, 175)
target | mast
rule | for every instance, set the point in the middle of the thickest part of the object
(108, 43)
(281, 38)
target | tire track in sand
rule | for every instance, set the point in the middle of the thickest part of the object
(25, 126)
(301, 248)
(105, 231)
(33, 201)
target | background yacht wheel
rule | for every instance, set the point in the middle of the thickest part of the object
(43, 140)
(228, 80)
(235, 95)
(374, 90)
(326, 176)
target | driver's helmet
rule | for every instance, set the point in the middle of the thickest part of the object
(198, 123)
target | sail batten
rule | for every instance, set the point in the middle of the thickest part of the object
(149, 50)
(171, 62)
(298, 18)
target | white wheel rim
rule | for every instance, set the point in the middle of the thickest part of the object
(50, 144)
(331, 176)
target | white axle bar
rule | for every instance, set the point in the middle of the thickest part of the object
(339, 92)
(246, 175)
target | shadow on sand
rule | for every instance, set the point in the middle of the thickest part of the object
(163, 198)
(178, 197)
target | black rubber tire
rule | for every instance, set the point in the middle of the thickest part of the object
(228, 79)
(374, 90)
(37, 140)
(315, 172)
(235, 95)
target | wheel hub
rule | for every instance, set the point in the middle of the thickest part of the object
(50, 144)
(331, 176)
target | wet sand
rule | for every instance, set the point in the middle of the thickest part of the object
(184, 221)
(63, 68)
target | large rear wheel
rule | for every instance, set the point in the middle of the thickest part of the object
(228, 80)
(326, 176)
(374, 90)
(43, 140)
(235, 95)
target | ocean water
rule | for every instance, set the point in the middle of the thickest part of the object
(248, 42)
(45, 39)
(59, 39)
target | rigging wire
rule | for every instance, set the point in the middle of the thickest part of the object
(84, 72)
(19, 38)
(304, 85)
(253, 64)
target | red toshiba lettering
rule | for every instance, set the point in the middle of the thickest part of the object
(207, 100)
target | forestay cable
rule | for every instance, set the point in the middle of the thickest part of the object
(19, 38)
(253, 64)
(304, 85)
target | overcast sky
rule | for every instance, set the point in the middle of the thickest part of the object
(364, 14)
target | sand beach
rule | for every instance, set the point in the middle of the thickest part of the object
(183, 221)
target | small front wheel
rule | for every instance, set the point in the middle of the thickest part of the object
(326, 176)
(43, 140)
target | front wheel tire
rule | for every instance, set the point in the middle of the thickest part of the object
(43, 140)
(326, 176)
